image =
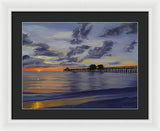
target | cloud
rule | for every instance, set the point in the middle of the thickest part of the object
(26, 57)
(77, 50)
(68, 60)
(85, 30)
(81, 32)
(98, 52)
(43, 50)
(46, 57)
(31, 62)
(108, 60)
(76, 41)
(63, 35)
(72, 59)
(114, 63)
(26, 39)
(64, 46)
(30, 47)
(129, 62)
(51, 62)
(130, 47)
(128, 28)
(133, 28)
(76, 32)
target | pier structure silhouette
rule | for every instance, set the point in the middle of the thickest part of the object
(101, 68)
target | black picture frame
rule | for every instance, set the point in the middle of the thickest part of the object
(140, 17)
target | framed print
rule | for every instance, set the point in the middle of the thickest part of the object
(79, 65)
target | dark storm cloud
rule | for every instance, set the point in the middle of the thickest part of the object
(31, 62)
(133, 28)
(81, 32)
(26, 57)
(76, 32)
(73, 51)
(85, 30)
(77, 50)
(75, 41)
(43, 49)
(128, 28)
(98, 52)
(26, 40)
(42, 46)
(130, 47)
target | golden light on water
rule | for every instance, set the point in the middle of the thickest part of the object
(56, 103)
(38, 88)
(38, 70)
(59, 102)
(37, 105)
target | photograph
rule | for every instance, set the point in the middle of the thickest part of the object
(80, 65)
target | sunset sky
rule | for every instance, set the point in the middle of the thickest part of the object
(49, 44)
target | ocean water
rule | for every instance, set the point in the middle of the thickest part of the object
(74, 90)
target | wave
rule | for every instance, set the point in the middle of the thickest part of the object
(125, 102)
(120, 92)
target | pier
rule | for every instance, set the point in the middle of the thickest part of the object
(116, 69)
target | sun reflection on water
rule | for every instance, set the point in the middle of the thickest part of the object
(39, 87)
(37, 105)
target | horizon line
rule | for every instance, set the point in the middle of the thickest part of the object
(61, 68)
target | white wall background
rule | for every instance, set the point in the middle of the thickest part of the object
(79, 5)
